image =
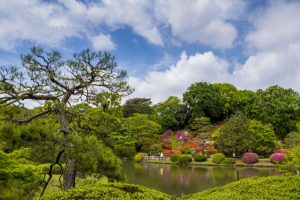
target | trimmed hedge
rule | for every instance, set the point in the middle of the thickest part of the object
(228, 161)
(255, 188)
(199, 157)
(139, 157)
(185, 160)
(217, 158)
(108, 191)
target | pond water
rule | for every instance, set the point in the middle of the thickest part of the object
(182, 180)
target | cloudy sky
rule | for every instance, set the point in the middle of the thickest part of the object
(165, 45)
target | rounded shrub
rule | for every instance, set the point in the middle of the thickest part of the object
(250, 158)
(228, 161)
(138, 157)
(185, 160)
(175, 158)
(199, 157)
(277, 158)
(217, 158)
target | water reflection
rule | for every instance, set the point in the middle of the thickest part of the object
(182, 180)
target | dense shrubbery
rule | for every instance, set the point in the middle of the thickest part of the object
(277, 187)
(228, 161)
(250, 158)
(184, 159)
(199, 157)
(108, 191)
(138, 157)
(175, 158)
(19, 177)
(218, 158)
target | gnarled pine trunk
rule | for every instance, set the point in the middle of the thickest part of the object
(70, 171)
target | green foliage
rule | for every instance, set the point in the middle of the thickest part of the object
(292, 162)
(169, 114)
(256, 188)
(277, 106)
(203, 99)
(264, 138)
(19, 176)
(228, 161)
(137, 105)
(201, 125)
(292, 139)
(139, 157)
(95, 157)
(175, 158)
(235, 135)
(184, 159)
(138, 132)
(156, 148)
(217, 158)
(199, 157)
(108, 191)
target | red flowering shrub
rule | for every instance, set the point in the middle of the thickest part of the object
(199, 150)
(165, 146)
(250, 158)
(171, 152)
(277, 158)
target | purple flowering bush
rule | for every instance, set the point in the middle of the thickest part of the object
(166, 136)
(180, 135)
(277, 158)
(250, 158)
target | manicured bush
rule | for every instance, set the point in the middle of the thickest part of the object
(138, 157)
(256, 188)
(218, 158)
(277, 158)
(250, 158)
(187, 151)
(228, 161)
(175, 158)
(199, 157)
(108, 191)
(185, 160)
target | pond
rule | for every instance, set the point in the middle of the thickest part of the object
(182, 180)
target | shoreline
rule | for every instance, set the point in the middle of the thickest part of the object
(208, 163)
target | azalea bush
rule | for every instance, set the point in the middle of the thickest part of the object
(218, 158)
(250, 158)
(199, 157)
(229, 161)
(277, 158)
(166, 136)
(184, 160)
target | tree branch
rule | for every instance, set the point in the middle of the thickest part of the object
(56, 162)
(33, 117)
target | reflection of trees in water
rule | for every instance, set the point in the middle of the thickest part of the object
(178, 180)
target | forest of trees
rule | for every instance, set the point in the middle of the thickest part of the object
(82, 128)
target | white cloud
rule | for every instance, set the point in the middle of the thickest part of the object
(51, 22)
(276, 27)
(102, 42)
(175, 80)
(201, 21)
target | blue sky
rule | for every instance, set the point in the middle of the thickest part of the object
(165, 45)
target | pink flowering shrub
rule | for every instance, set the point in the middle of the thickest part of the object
(277, 158)
(165, 136)
(180, 135)
(250, 158)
